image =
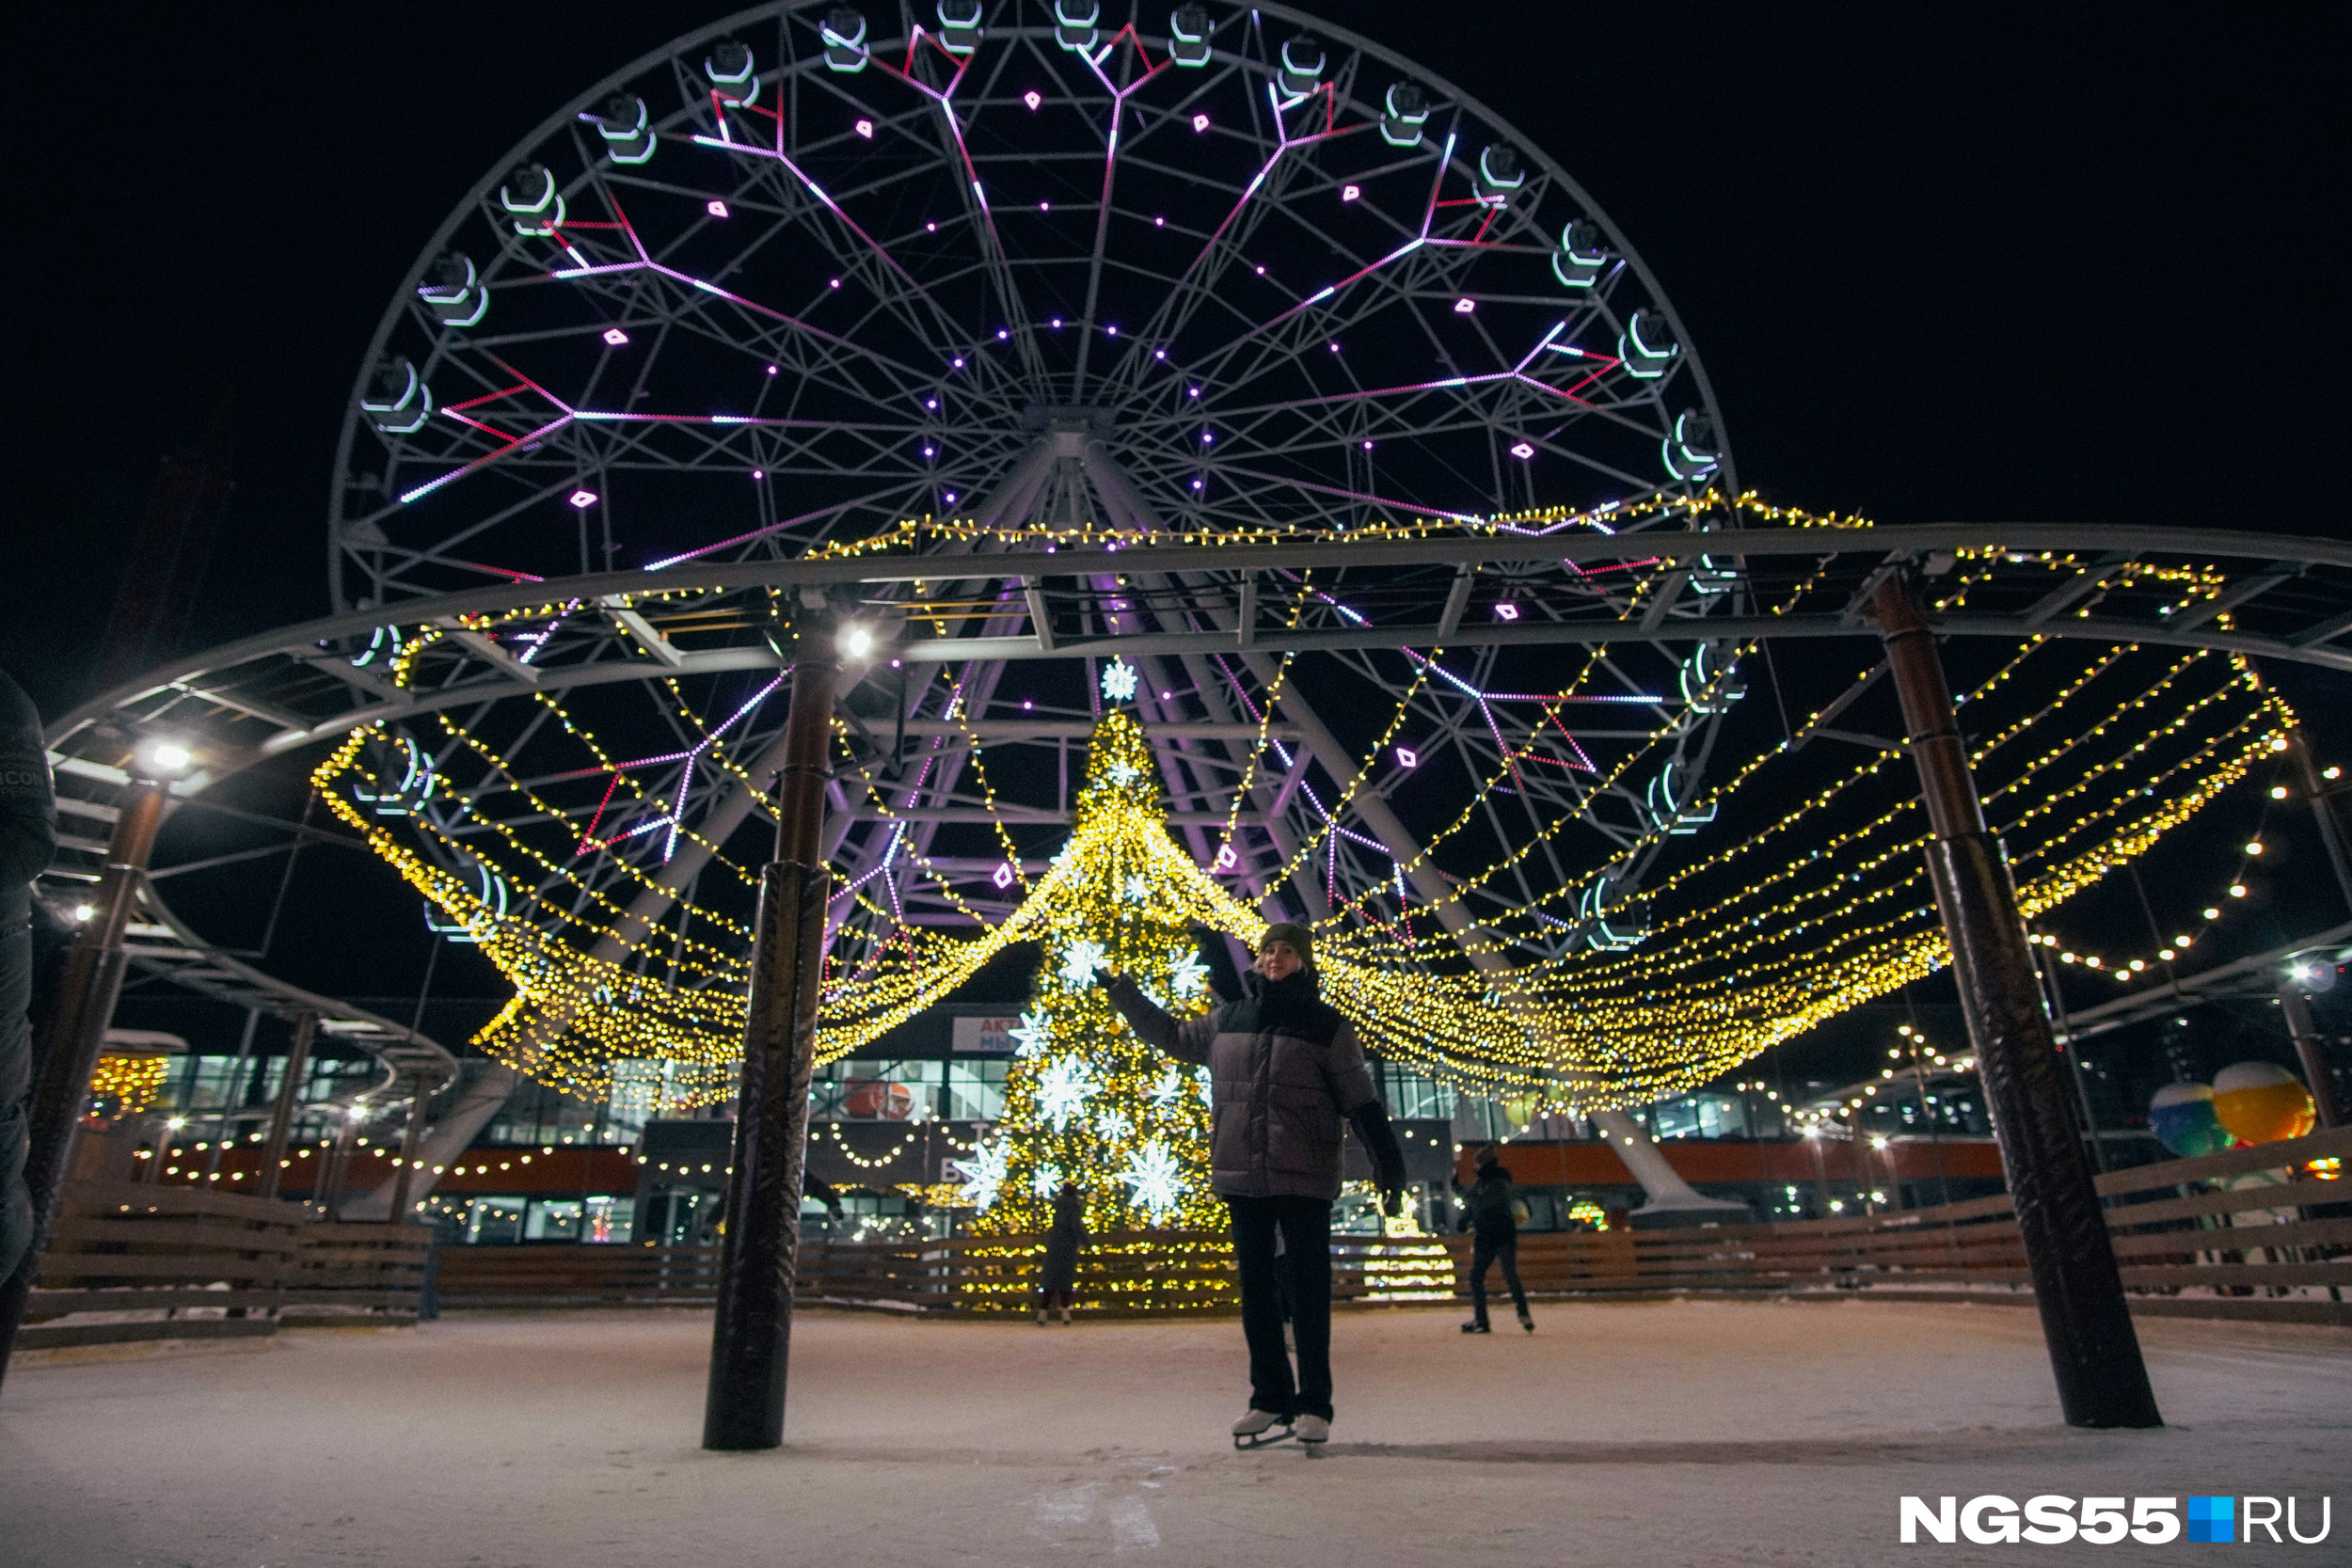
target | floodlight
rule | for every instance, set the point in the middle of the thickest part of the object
(161, 758)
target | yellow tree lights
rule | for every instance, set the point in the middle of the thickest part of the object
(1789, 892)
(1085, 1100)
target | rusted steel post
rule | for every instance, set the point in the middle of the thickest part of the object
(288, 1099)
(2094, 1350)
(71, 1038)
(752, 1332)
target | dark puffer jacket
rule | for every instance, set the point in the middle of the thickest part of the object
(28, 835)
(1286, 1073)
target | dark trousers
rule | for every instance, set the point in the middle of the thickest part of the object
(1304, 1271)
(1488, 1250)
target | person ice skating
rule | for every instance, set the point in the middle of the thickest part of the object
(1494, 1238)
(1059, 1280)
(1286, 1071)
(28, 837)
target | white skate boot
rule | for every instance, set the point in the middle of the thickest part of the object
(1313, 1431)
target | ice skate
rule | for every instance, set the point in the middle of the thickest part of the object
(1255, 1430)
(1313, 1431)
(1527, 1323)
(1476, 1328)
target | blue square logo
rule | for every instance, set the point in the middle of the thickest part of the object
(2211, 1519)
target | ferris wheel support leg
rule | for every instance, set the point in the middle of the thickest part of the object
(1668, 1193)
(2094, 1351)
(489, 1093)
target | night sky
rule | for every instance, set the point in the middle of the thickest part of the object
(2046, 263)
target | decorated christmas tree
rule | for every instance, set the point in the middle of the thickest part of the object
(1085, 1100)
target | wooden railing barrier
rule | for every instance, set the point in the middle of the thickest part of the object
(2252, 1233)
(129, 1261)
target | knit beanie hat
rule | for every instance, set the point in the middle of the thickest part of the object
(1300, 939)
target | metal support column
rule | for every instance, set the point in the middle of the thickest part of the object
(2094, 1350)
(2317, 1075)
(2316, 791)
(71, 1038)
(305, 1028)
(405, 1168)
(752, 1333)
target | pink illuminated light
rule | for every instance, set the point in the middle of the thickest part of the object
(583, 499)
(617, 338)
(1408, 757)
(1200, 122)
(1521, 450)
(1003, 876)
(715, 207)
(1225, 858)
(1506, 612)
(865, 129)
(1464, 306)
(1349, 193)
(1031, 99)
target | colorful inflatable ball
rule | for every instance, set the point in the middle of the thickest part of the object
(2181, 1116)
(2260, 1103)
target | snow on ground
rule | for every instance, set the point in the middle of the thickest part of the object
(1617, 1435)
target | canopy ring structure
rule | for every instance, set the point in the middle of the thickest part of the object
(1037, 269)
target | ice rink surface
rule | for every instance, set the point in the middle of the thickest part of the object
(1617, 1435)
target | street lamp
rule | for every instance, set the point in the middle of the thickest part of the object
(162, 756)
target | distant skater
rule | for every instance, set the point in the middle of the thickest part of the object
(1494, 1238)
(1285, 1071)
(1058, 1283)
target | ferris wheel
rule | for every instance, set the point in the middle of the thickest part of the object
(1038, 268)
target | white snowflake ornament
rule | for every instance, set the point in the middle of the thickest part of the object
(984, 1174)
(1119, 680)
(1152, 1172)
(1079, 962)
(1062, 1092)
(1189, 976)
(1031, 1034)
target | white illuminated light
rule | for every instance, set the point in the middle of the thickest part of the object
(617, 338)
(583, 499)
(856, 640)
(865, 129)
(1225, 858)
(715, 207)
(1506, 612)
(1464, 306)
(1408, 757)
(83, 911)
(1349, 193)
(167, 756)
(1521, 450)
(1032, 99)
(1200, 122)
